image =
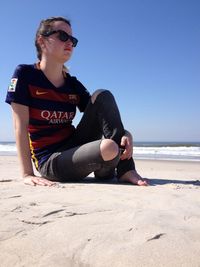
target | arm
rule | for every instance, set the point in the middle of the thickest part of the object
(84, 95)
(21, 119)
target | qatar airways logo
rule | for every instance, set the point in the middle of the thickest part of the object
(57, 117)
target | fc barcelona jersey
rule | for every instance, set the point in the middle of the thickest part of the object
(51, 109)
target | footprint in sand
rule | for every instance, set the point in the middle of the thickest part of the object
(156, 237)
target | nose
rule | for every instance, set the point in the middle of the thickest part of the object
(69, 43)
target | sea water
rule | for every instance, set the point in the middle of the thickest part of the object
(181, 151)
(8, 148)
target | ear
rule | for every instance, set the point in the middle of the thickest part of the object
(41, 41)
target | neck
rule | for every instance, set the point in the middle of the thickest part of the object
(53, 71)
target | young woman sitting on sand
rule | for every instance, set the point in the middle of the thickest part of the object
(44, 98)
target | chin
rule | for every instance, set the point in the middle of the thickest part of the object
(64, 59)
(67, 57)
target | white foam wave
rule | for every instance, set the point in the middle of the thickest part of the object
(8, 148)
(168, 152)
(142, 152)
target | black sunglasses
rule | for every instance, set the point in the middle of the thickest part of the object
(62, 36)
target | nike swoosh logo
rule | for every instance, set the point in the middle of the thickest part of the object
(41, 93)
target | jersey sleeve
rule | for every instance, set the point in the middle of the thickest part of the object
(18, 89)
(83, 94)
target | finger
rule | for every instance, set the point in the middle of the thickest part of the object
(128, 142)
(29, 182)
(50, 183)
(41, 182)
(124, 155)
(146, 181)
(37, 181)
(142, 183)
(44, 182)
(128, 152)
(123, 141)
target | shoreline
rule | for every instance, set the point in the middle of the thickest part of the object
(170, 151)
(135, 159)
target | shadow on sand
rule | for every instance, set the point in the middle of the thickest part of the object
(173, 181)
(152, 182)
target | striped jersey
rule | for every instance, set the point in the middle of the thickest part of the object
(51, 109)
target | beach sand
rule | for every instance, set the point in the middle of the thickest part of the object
(102, 224)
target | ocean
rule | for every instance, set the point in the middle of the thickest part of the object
(181, 151)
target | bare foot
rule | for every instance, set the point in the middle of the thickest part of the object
(134, 178)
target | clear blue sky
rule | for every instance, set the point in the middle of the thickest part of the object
(147, 52)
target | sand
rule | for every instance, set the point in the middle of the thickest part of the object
(102, 224)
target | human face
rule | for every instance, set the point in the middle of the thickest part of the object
(55, 48)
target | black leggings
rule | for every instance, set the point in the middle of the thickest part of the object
(81, 155)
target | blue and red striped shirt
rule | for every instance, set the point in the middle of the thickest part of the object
(51, 109)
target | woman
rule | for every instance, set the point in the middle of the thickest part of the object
(44, 98)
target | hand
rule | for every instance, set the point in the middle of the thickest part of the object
(35, 180)
(127, 143)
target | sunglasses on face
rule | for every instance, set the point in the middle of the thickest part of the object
(62, 36)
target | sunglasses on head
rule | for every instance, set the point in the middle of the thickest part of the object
(62, 36)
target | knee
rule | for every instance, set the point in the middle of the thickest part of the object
(95, 94)
(109, 149)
